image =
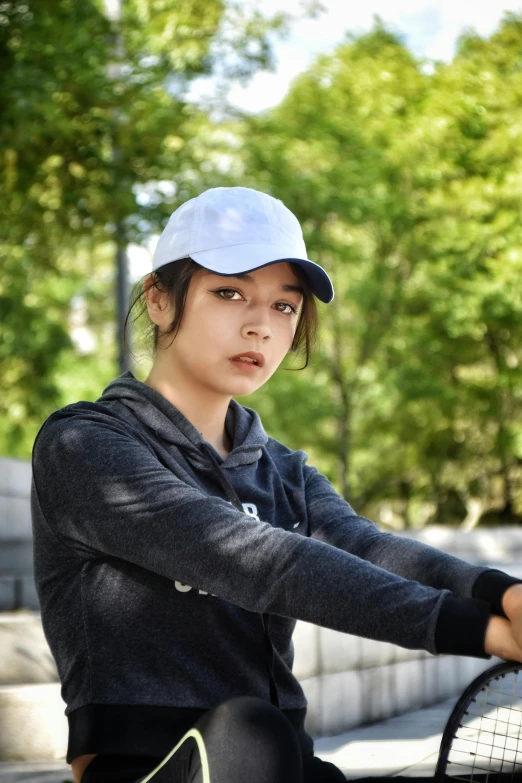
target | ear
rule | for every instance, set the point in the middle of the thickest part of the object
(157, 301)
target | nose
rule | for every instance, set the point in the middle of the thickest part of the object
(262, 330)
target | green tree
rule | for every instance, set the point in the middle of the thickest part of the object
(76, 144)
(406, 184)
(465, 303)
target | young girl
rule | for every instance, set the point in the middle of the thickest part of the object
(176, 543)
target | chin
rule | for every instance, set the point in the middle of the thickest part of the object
(243, 388)
(239, 389)
(231, 386)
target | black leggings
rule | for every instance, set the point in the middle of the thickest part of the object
(243, 740)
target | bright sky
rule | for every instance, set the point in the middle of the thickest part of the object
(430, 30)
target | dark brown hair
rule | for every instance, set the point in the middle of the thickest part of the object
(174, 278)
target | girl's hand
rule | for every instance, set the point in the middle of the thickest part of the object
(500, 639)
(512, 606)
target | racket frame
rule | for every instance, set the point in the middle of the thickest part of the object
(454, 721)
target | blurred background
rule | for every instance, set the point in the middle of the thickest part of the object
(393, 131)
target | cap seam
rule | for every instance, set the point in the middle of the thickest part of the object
(237, 244)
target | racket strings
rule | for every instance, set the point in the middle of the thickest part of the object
(487, 746)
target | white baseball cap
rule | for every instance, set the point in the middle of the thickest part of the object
(230, 230)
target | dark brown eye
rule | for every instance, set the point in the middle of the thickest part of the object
(293, 309)
(222, 290)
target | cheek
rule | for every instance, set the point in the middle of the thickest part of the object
(280, 344)
(203, 334)
(290, 334)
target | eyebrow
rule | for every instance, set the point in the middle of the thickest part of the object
(287, 287)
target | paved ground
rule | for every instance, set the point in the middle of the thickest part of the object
(406, 745)
(34, 772)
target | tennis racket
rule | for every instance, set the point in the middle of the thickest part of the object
(482, 741)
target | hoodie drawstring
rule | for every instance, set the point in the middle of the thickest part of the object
(269, 648)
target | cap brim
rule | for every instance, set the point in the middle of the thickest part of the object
(247, 257)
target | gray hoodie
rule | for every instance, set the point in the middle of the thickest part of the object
(170, 579)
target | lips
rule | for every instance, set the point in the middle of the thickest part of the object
(258, 357)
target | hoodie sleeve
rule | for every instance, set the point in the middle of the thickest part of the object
(333, 521)
(103, 490)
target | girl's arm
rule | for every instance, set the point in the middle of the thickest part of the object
(333, 521)
(101, 491)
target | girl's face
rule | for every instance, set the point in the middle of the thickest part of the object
(225, 316)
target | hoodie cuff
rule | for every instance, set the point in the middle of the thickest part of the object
(491, 586)
(461, 627)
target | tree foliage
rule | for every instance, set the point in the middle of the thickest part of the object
(406, 180)
(92, 109)
(408, 187)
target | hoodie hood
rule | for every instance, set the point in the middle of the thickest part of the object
(169, 424)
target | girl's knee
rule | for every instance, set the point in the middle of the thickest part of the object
(254, 719)
(248, 738)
